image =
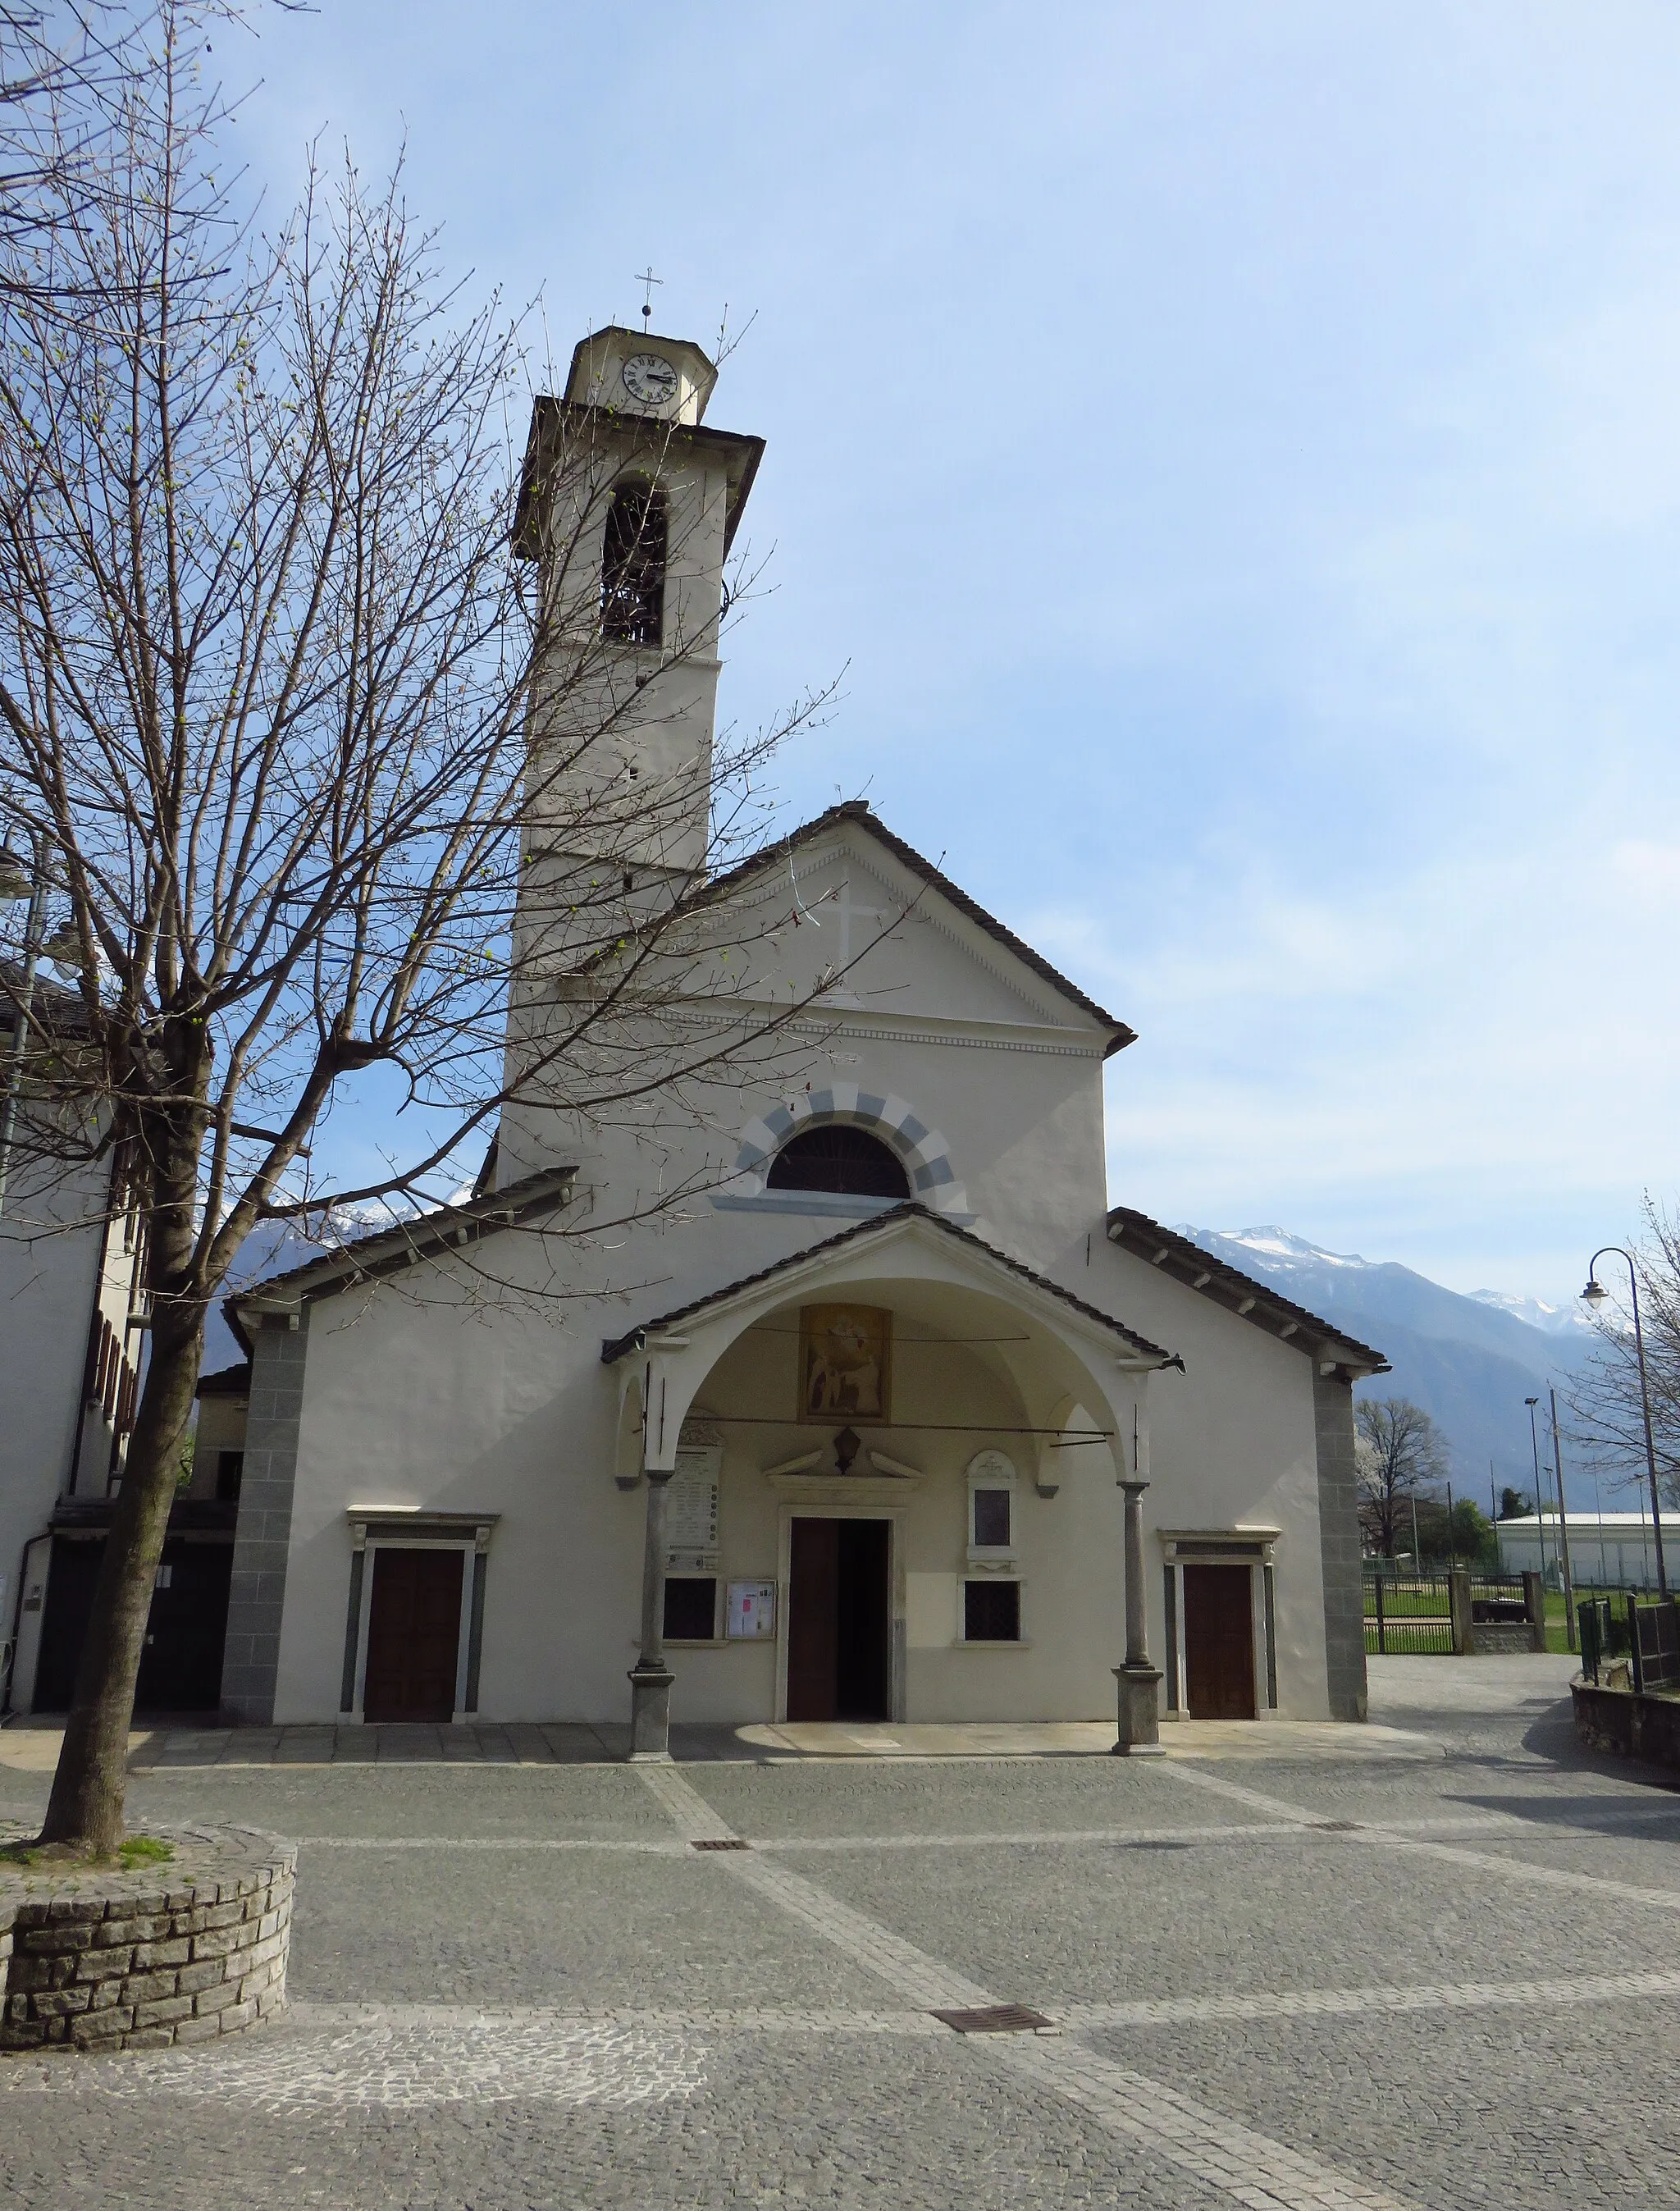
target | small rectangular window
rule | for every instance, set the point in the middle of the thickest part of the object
(991, 1520)
(991, 1612)
(230, 1472)
(691, 1607)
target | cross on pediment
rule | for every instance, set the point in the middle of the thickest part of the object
(849, 911)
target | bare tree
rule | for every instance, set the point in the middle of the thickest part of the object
(1608, 1420)
(1402, 1455)
(316, 725)
(61, 63)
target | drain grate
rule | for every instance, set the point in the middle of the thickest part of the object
(995, 2019)
(721, 1843)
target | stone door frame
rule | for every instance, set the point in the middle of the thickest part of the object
(823, 1503)
(467, 1533)
(1253, 1547)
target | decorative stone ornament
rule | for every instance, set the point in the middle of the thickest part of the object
(177, 1950)
(993, 1467)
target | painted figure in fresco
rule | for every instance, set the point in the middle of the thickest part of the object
(842, 1367)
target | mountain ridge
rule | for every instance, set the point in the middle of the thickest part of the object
(1469, 1360)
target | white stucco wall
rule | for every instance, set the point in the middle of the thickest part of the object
(53, 1275)
(411, 1402)
(1233, 1445)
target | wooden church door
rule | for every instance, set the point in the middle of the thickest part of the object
(414, 1635)
(839, 1620)
(1219, 1642)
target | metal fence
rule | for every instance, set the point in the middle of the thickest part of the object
(1621, 1638)
(1412, 1614)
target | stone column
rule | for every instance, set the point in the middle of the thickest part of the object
(1140, 1681)
(650, 1679)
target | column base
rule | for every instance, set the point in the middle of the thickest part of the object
(649, 1715)
(1140, 1732)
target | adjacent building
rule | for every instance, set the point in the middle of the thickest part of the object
(70, 1332)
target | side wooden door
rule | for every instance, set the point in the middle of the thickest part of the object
(414, 1635)
(180, 1667)
(1219, 1642)
(814, 1618)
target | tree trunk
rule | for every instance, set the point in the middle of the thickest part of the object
(85, 1807)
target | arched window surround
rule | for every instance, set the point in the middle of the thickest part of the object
(923, 1151)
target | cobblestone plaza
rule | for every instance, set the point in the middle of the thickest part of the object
(1439, 1978)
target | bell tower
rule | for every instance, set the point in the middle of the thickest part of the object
(630, 504)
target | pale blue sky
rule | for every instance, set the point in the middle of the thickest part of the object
(1237, 451)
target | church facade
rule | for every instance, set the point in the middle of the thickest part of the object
(848, 1432)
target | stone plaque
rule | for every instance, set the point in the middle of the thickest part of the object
(690, 1514)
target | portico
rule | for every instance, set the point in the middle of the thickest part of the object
(904, 1528)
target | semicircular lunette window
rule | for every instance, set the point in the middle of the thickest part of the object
(839, 1159)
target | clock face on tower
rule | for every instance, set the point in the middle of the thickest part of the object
(650, 378)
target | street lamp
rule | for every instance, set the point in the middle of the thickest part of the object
(1595, 1294)
(1563, 1524)
(1539, 1501)
(21, 879)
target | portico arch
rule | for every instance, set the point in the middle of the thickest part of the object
(987, 1355)
(1053, 1364)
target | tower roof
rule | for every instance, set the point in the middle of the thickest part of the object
(558, 423)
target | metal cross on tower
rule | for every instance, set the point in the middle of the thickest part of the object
(648, 280)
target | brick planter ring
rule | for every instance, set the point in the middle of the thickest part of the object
(179, 1951)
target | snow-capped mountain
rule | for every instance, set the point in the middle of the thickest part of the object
(1551, 1320)
(1278, 1249)
(1470, 1361)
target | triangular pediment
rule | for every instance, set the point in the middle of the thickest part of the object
(895, 937)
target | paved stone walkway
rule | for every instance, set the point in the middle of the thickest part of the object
(1288, 1981)
(32, 1747)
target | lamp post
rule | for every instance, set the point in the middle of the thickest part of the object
(1539, 1501)
(1595, 1294)
(21, 879)
(1599, 1514)
(1563, 1524)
